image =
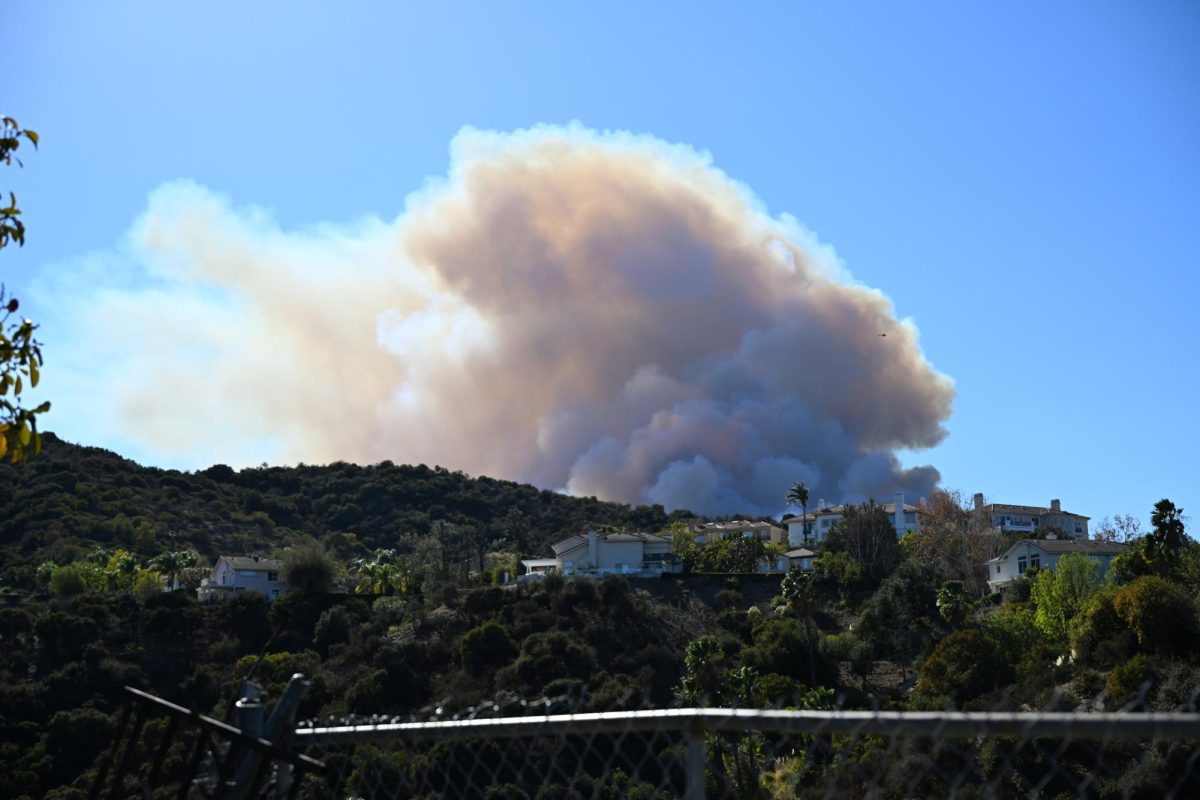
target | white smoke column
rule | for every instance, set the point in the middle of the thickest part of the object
(599, 312)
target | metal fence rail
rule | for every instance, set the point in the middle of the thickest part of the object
(699, 753)
(165, 750)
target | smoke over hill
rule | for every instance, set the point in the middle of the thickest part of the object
(598, 312)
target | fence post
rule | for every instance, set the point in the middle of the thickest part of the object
(697, 760)
(250, 718)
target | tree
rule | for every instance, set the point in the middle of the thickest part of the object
(308, 567)
(798, 495)
(173, 563)
(1159, 613)
(953, 603)
(1062, 592)
(865, 532)
(797, 591)
(954, 540)
(683, 542)
(1168, 537)
(1120, 528)
(20, 353)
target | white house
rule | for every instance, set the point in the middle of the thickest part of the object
(717, 531)
(1008, 518)
(800, 558)
(613, 553)
(1044, 554)
(243, 573)
(821, 520)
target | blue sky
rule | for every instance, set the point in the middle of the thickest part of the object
(1021, 179)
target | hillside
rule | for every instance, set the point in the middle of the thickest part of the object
(72, 499)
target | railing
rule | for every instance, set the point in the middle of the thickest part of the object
(700, 753)
(165, 750)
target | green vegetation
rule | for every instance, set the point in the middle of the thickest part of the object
(20, 352)
(400, 613)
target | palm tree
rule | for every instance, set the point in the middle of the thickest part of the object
(798, 494)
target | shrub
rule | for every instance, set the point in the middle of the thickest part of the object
(1159, 613)
(963, 666)
(333, 627)
(69, 580)
(1099, 635)
(489, 645)
(309, 567)
(1126, 681)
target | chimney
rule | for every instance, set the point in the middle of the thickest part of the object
(1055, 506)
(592, 562)
(978, 500)
(898, 513)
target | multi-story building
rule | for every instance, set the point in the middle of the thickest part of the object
(1008, 518)
(243, 573)
(716, 531)
(820, 521)
(1042, 554)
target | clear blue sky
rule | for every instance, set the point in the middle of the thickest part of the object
(1022, 179)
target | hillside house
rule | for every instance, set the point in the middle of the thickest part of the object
(1008, 518)
(613, 553)
(1027, 554)
(243, 573)
(801, 558)
(718, 531)
(821, 520)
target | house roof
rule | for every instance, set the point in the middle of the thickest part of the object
(580, 539)
(732, 525)
(800, 552)
(1033, 511)
(1071, 546)
(534, 563)
(1060, 546)
(840, 508)
(253, 562)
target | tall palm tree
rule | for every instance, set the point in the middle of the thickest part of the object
(798, 495)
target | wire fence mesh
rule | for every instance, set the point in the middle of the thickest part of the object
(732, 753)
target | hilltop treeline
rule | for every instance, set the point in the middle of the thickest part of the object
(62, 505)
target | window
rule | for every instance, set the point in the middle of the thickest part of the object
(248, 573)
(997, 569)
(272, 576)
(1035, 562)
(1021, 565)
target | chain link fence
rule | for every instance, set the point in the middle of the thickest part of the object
(730, 753)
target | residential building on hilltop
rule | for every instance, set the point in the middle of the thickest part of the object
(1027, 554)
(612, 553)
(243, 573)
(1008, 518)
(716, 531)
(821, 520)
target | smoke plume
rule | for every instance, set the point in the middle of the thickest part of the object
(596, 312)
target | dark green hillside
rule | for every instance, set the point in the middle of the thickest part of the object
(72, 499)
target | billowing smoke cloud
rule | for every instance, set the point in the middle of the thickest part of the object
(599, 312)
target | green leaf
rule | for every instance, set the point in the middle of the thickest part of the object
(17, 386)
(42, 409)
(33, 375)
(32, 136)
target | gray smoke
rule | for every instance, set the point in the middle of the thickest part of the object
(599, 312)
